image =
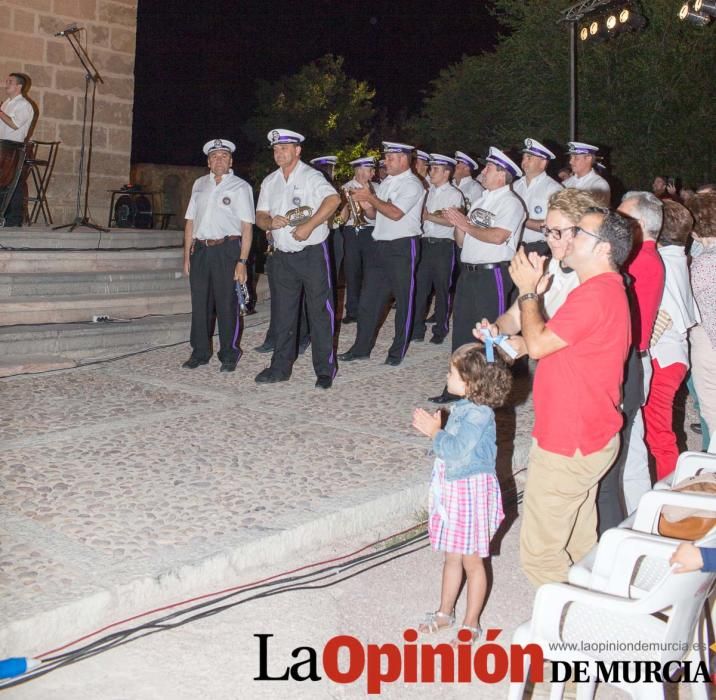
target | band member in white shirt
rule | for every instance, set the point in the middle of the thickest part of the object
(295, 203)
(396, 205)
(535, 188)
(217, 242)
(438, 253)
(583, 160)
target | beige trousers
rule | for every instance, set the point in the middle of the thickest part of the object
(559, 519)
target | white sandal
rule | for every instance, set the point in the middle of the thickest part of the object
(475, 632)
(430, 624)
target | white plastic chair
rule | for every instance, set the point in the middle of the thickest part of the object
(645, 520)
(565, 614)
(688, 464)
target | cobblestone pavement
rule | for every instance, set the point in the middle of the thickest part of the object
(122, 480)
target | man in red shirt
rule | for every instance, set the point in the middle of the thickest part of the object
(577, 393)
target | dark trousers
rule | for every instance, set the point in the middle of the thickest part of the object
(14, 211)
(435, 271)
(611, 506)
(303, 330)
(355, 245)
(211, 277)
(308, 270)
(480, 293)
(390, 272)
(337, 248)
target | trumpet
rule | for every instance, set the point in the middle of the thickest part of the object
(356, 211)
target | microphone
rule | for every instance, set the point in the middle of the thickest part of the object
(70, 29)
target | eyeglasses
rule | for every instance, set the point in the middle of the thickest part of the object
(589, 233)
(556, 233)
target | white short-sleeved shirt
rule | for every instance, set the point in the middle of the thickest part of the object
(407, 192)
(217, 210)
(442, 197)
(500, 208)
(595, 184)
(471, 188)
(678, 301)
(21, 112)
(355, 185)
(305, 187)
(535, 196)
(561, 285)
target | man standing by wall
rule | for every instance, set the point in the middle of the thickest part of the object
(217, 241)
(16, 115)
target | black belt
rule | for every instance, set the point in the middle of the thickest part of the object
(434, 241)
(472, 267)
(215, 241)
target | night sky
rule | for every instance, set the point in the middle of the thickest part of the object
(197, 63)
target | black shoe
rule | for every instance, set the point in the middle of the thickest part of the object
(445, 397)
(437, 339)
(417, 339)
(350, 356)
(324, 382)
(696, 428)
(194, 362)
(303, 346)
(348, 319)
(264, 347)
(430, 319)
(227, 367)
(270, 376)
(393, 361)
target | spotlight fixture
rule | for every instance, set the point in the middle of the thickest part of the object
(593, 28)
(611, 22)
(706, 7)
(584, 33)
(605, 19)
(624, 16)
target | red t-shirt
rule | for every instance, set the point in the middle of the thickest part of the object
(577, 390)
(646, 269)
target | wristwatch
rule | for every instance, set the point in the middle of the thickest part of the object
(244, 261)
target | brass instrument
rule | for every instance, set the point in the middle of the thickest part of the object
(480, 217)
(357, 213)
(299, 215)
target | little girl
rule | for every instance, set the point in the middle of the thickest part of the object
(465, 500)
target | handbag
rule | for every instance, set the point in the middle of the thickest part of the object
(683, 523)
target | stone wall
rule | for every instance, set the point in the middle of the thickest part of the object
(173, 181)
(28, 45)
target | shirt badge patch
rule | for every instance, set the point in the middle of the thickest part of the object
(538, 209)
(226, 200)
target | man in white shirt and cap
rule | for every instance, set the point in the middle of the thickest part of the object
(217, 241)
(295, 203)
(357, 237)
(438, 255)
(534, 189)
(489, 236)
(465, 169)
(421, 166)
(16, 115)
(582, 160)
(397, 206)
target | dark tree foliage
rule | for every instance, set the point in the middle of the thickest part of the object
(645, 97)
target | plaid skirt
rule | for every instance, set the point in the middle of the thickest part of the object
(465, 513)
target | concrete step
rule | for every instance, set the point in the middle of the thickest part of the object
(32, 284)
(40, 237)
(12, 262)
(71, 308)
(91, 340)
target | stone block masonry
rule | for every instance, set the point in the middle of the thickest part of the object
(28, 45)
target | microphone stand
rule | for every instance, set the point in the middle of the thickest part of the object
(91, 75)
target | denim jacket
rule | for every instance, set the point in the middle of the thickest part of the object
(468, 444)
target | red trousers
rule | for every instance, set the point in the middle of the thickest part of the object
(659, 416)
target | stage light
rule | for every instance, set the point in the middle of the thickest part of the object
(684, 11)
(624, 16)
(611, 22)
(705, 7)
(593, 28)
(584, 33)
